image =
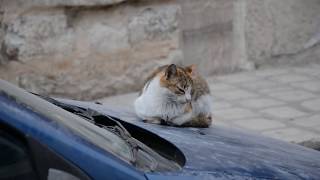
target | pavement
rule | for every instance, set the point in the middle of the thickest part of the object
(281, 102)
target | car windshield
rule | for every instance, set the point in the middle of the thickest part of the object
(98, 136)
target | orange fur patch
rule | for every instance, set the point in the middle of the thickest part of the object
(182, 78)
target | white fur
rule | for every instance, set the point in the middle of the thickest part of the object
(202, 105)
(182, 119)
(153, 103)
(188, 94)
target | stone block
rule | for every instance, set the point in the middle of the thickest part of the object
(237, 94)
(308, 70)
(219, 86)
(260, 103)
(234, 114)
(259, 124)
(312, 121)
(87, 53)
(289, 78)
(55, 3)
(313, 105)
(260, 84)
(238, 78)
(269, 72)
(283, 112)
(217, 105)
(280, 31)
(292, 96)
(291, 135)
(313, 86)
(278, 89)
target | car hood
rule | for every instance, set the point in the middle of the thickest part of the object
(218, 152)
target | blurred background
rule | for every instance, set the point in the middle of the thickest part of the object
(260, 56)
(87, 49)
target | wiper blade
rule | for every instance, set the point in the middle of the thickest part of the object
(122, 132)
(143, 156)
(136, 146)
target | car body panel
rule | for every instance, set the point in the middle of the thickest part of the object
(211, 153)
(218, 152)
(98, 164)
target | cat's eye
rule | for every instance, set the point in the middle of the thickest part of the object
(181, 90)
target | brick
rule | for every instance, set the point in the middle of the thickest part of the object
(220, 87)
(259, 124)
(279, 88)
(313, 86)
(271, 72)
(313, 71)
(284, 112)
(291, 135)
(220, 105)
(218, 122)
(312, 121)
(235, 94)
(291, 96)
(313, 105)
(234, 114)
(261, 84)
(288, 78)
(238, 78)
(260, 103)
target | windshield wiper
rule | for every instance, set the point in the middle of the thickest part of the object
(143, 158)
(147, 163)
(123, 134)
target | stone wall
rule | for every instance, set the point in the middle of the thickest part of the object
(229, 35)
(283, 31)
(214, 35)
(88, 49)
(207, 34)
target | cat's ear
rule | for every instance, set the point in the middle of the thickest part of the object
(191, 70)
(171, 71)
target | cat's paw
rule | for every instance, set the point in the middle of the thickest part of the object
(152, 120)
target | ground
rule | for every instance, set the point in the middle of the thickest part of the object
(282, 102)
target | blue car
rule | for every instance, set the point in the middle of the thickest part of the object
(44, 138)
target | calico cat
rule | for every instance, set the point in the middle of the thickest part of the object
(175, 96)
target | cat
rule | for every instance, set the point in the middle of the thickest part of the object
(176, 96)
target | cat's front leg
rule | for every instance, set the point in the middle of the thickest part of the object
(181, 119)
(185, 117)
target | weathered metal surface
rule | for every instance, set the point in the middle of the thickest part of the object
(211, 153)
(217, 152)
